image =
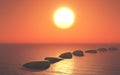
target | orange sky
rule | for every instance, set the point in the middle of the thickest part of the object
(31, 21)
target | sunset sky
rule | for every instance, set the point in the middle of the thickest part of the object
(31, 21)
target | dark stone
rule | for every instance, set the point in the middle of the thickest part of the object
(91, 51)
(78, 53)
(66, 55)
(53, 59)
(37, 65)
(113, 49)
(102, 49)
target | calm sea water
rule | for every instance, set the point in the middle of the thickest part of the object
(13, 56)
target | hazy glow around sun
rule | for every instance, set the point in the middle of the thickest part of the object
(64, 17)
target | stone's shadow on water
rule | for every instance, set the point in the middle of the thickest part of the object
(31, 70)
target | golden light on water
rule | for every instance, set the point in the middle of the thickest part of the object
(64, 17)
(64, 67)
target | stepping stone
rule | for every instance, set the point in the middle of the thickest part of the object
(91, 51)
(37, 65)
(113, 49)
(78, 53)
(101, 49)
(53, 59)
(67, 55)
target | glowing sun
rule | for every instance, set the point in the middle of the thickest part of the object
(64, 17)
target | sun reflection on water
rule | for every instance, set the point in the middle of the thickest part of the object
(64, 67)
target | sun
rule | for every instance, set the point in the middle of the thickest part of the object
(64, 17)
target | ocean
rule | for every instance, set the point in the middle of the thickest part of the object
(13, 56)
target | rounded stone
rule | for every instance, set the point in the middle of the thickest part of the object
(91, 51)
(53, 59)
(37, 65)
(113, 48)
(66, 55)
(102, 49)
(78, 53)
